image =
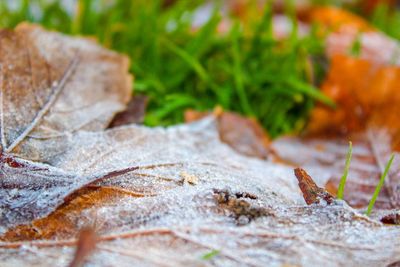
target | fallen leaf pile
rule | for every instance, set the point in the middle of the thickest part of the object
(62, 172)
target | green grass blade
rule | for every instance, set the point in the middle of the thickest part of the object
(379, 186)
(238, 72)
(311, 91)
(340, 192)
(188, 58)
(210, 255)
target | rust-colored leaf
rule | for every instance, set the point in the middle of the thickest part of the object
(362, 90)
(64, 222)
(245, 135)
(311, 192)
(134, 112)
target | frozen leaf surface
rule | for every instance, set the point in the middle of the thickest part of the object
(53, 85)
(128, 185)
(250, 210)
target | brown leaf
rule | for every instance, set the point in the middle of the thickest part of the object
(46, 96)
(134, 112)
(311, 192)
(53, 85)
(359, 99)
(245, 135)
(367, 104)
(393, 218)
(64, 222)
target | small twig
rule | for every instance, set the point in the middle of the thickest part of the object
(85, 246)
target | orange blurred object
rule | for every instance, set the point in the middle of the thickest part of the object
(339, 20)
(362, 89)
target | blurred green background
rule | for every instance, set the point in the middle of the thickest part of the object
(180, 58)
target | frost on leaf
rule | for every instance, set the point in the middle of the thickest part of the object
(125, 183)
(53, 85)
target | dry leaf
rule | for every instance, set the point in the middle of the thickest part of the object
(366, 93)
(311, 192)
(245, 135)
(362, 90)
(46, 96)
(53, 86)
(134, 112)
(125, 183)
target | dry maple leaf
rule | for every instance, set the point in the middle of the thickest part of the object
(51, 87)
(125, 183)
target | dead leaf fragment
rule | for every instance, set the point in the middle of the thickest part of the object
(393, 218)
(245, 135)
(311, 192)
(134, 112)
